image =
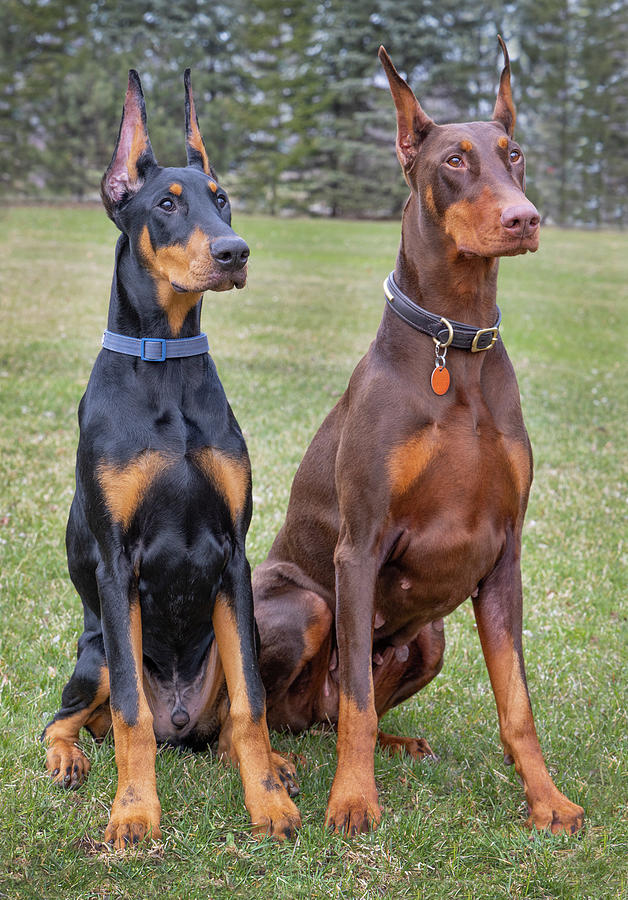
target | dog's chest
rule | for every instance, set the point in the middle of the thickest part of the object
(454, 494)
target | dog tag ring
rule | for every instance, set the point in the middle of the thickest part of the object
(440, 376)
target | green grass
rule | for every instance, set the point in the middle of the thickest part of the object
(285, 348)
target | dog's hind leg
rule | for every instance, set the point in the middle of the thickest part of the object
(296, 628)
(81, 706)
(84, 702)
(400, 672)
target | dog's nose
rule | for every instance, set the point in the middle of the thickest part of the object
(521, 219)
(230, 252)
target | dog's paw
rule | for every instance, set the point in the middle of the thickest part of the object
(558, 816)
(134, 818)
(67, 764)
(130, 832)
(352, 815)
(274, 816)
(417, 748)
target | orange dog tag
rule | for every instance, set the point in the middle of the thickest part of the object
(440, 380)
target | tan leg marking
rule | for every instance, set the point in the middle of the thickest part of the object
(213, 687)
(247, 743)
(548, 807)
(353, 805)
(124, 487)
(136, 811)
(65, 761)
(231, 476)
(285, 769)
(99, 723)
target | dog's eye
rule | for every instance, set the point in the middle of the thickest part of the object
(515, 156)
(221, 200)
(455, 161)
(166, 204)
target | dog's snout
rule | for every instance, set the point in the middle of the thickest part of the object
(521, 219)
(230, 252)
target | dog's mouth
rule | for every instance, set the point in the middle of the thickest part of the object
(507, 246)
(526, 243)
(215, 281)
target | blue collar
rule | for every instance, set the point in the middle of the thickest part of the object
(155, 349)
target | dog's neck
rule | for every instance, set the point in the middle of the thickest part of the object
(135, 309)
(432, 273)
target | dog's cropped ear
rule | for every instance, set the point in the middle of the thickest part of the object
(194, 143)
(412, 123)
(504, 111)
(133, 156)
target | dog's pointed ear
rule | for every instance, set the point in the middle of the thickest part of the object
(504, 111)
(194, 144)
(412, 123)
(133, 155)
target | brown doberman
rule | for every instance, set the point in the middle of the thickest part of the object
(412, 495)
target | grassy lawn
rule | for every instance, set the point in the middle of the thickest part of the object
(284, 348)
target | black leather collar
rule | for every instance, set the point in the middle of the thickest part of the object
(445, 331)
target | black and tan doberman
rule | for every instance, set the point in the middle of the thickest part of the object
(411, 496)
(156, 534)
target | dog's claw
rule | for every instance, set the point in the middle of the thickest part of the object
(353, 816)
(67, 764)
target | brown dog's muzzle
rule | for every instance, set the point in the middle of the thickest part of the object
(521, 222)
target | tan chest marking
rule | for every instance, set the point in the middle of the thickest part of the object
(124, 487)
(409, 460)
(230, 475)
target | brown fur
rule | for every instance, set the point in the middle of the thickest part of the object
(407, 503)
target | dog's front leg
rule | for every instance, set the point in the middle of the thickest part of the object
(265, 796)
(353, 806)
(136, 811)
(498, 612)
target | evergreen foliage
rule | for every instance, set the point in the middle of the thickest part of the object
(294, 107)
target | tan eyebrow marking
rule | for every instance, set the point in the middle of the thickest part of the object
(213, 187)
(503, 142)
(176, 189)
(466, 145)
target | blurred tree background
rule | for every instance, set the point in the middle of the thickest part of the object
(293, 104)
